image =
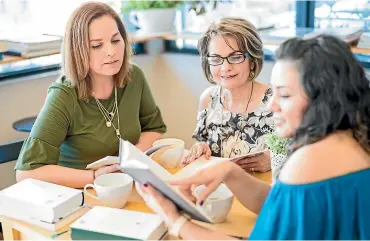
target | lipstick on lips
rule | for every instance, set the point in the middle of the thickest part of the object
(229, 76)
(111, 62)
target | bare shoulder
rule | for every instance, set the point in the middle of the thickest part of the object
(205, 97)
(261, 85)
(331, 157)
(260, 90)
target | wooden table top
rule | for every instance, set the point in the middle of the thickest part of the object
(239, 222)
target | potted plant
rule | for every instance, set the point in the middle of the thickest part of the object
(151, 16)
(278, 152)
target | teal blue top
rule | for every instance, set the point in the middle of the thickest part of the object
(336, 208)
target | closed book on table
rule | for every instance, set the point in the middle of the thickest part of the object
(32, 43)
(40, 201)
(3, 47)
(103, 223)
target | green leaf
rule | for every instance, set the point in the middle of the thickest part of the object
(141, 5)
(276, 144)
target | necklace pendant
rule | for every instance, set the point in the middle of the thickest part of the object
(118, 134)
(108, 123)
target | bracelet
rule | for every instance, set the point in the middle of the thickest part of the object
(176, 226)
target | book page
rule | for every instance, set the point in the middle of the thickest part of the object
(202, 163)
(129, 152)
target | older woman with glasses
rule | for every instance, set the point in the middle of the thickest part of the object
(233, 117)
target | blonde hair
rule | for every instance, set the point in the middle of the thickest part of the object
(75, 48)
(246, 36)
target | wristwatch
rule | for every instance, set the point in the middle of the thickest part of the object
(176, 226)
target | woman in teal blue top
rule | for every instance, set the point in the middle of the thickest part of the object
(321, 100)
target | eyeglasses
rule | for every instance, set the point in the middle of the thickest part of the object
(232, 59)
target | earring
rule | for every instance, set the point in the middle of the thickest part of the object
(252, 74)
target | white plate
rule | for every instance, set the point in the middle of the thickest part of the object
(106, 161)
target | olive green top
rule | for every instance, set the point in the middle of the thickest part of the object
(73, 133)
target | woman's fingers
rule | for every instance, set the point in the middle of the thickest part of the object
(196, 151)
(188, 194)
(208, 153)
(191, 157)
(186, 183)
(148, 189)
(256, 167)
(206, 192)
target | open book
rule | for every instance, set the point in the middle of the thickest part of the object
(110, 160)
(251, 154)
(144, 170)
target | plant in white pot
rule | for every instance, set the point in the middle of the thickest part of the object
(278, 152)
(152, 16)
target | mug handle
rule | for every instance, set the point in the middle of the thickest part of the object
(89, 194)
(134, 20)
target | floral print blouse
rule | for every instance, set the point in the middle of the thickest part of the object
(232, 134)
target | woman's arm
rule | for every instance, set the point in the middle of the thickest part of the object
(146, 140)
(65, 176)
(191, 231)
(152, 125)
(40, 153)
(250, 191)
(167, 210)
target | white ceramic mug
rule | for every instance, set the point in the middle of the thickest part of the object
(218, 203)
(112, 189)
(169, 157)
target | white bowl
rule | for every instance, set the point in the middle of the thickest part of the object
(218, 203)
(169, 157)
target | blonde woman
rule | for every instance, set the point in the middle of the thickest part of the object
(233, 117)
(99, 98)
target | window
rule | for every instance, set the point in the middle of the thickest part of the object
(342, 14)
(39, 16)
(264, 14)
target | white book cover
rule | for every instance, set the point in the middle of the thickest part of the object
(40, 200)
(40, 42)
(107, 223)
(18, 215)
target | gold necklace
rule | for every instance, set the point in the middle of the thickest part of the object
(244, 114)
(109, 116)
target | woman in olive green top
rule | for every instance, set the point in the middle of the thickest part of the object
(100, 97)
